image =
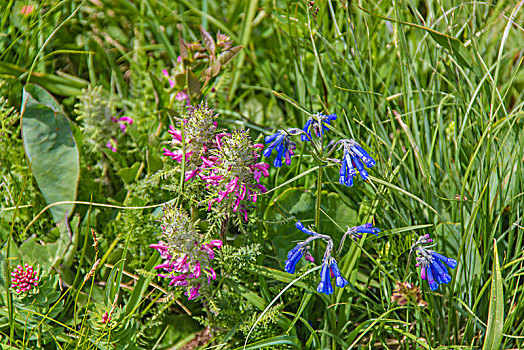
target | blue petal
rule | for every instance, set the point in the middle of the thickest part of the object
(432, 284)
(332, 116)
(452, 263)
(351, 170)
(343, 167)
(270, 138)
(367, 230)
(306, 130)
(362, 154)
(267, 151)
(302, 228)
(278, 160)
(340, 280)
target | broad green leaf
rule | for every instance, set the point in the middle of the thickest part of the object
(128, 175)
(50, 254)
(50, 149)
(496, 306)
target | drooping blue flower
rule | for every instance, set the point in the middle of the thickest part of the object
(433, 265)
(318, 123)
(355, 232)
(293, 257)
(301, 227)
(354, 156)
(340, 280)
(301, 249)
(325, 280)
(283, 145)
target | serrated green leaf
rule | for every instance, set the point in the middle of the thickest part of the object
(50, 149)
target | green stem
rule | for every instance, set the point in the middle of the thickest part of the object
(319, 196)
(317, 207)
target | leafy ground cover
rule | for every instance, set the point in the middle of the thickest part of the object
(261, 174)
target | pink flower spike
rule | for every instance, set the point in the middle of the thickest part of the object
(179, 59)
(258, 145)
(164, 71)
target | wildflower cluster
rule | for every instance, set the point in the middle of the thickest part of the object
(100, 126)
(354, 156)
(432, 264)
(234, 179)
(24, 278)
(198, 128)
(329, 264)
(225, 163)
(186, 258)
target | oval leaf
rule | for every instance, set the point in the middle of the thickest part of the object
(50, 149)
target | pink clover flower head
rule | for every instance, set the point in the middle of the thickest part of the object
(24, 278)
(187, 259)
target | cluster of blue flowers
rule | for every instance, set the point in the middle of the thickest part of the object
(330, 268)
(283, 145)
(329, 264)
(317, 123)
(354, 156)
(432, 264)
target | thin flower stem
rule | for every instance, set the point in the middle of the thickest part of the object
(318, 202)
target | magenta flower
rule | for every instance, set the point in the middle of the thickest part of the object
(187, 261)
(23, 278)
(105, 317)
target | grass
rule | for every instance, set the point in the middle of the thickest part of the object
(434, 89)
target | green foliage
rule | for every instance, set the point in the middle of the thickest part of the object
(48, 140)
(433, 89)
